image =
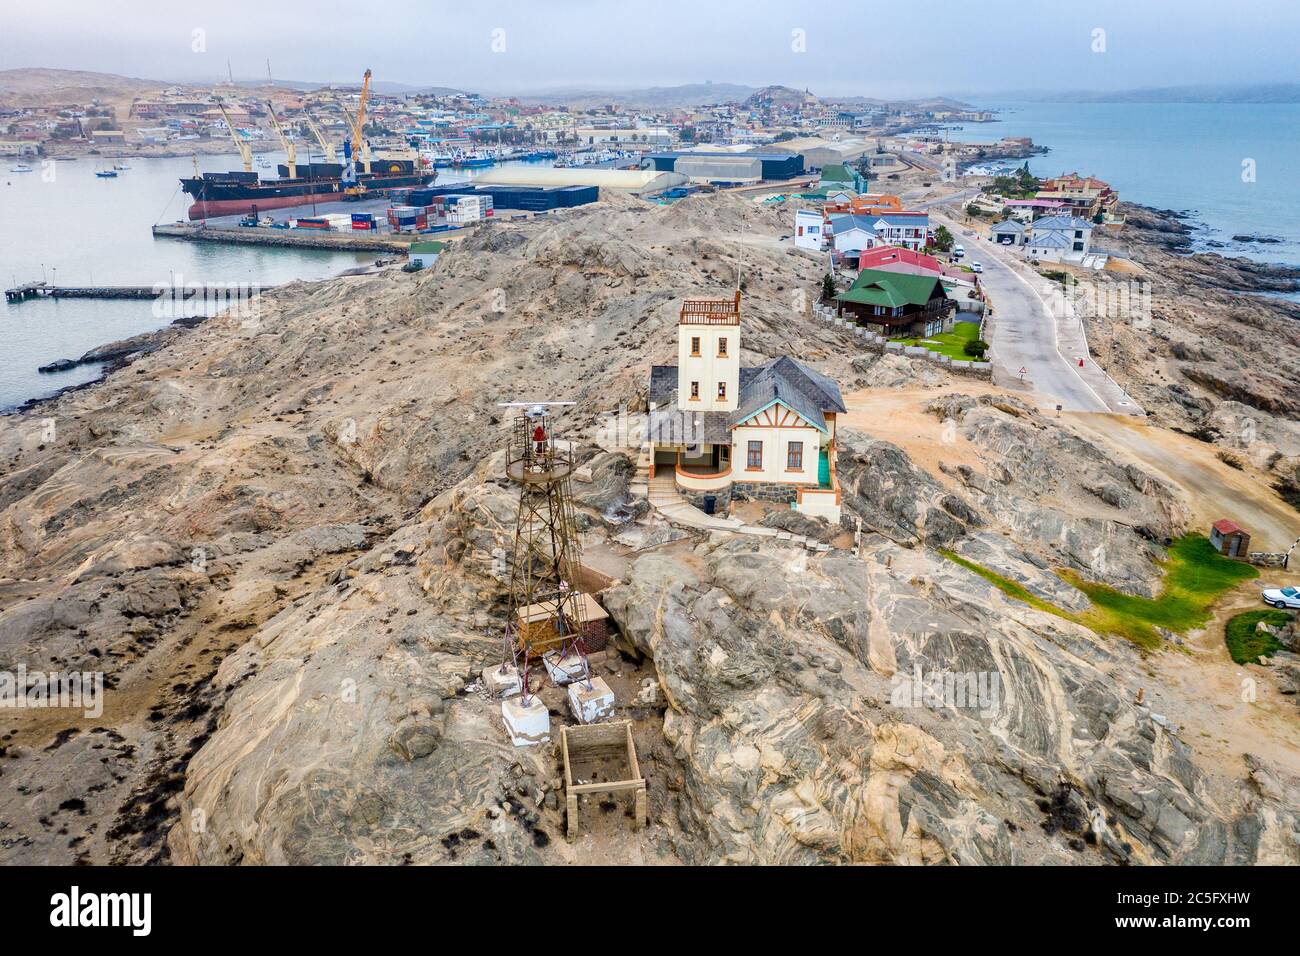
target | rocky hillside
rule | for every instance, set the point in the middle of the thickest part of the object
(277, 536)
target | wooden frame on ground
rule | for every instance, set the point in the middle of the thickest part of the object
(588, 748)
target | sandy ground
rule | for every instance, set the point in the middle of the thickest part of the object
(1200, 688)
(899, 416)
(1214, 490)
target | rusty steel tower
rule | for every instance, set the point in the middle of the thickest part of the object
(543, 613)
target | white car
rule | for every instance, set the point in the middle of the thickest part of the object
(1283, 597)
(958, 252)
(976, 267)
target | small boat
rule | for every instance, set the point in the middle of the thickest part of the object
(106, 173)
(121, 166)
(20, 168)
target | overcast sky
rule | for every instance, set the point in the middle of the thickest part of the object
(849, 47)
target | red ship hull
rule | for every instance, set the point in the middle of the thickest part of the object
(209, 208)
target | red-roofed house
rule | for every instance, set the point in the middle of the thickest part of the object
(1229, 539)
(898, 259)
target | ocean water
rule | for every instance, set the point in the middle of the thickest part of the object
(73, 228)
(1234, 167)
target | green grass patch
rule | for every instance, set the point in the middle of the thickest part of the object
(949, 343)
(1247, 645)
(1008, 587)
(1195, 576)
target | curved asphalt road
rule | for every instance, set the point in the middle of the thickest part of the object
(1024, 331)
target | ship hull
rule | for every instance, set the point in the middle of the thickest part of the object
(220, 198)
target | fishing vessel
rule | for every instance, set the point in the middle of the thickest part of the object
(20, 168)
(106, 173)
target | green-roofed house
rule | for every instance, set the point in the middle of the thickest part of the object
(897, 304)
(841, 177)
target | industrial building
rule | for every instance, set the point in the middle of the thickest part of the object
(639, 182)
(529, 198)
(720, 168)
(818, 153)
(773, 166)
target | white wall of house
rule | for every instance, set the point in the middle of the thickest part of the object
(810, 230)
(706, 356)
(851, 239)
(776, 441)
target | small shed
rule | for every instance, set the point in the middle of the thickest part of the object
(1230, 539)
(537, 624)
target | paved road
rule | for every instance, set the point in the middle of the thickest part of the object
(1024, 331)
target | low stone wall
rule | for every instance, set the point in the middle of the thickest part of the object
(721, 499)
(1268, 559)
(879, 344)
(764, 491)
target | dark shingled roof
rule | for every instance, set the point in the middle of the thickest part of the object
(807, 392)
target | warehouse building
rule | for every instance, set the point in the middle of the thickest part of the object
(639, 182)
(720, 168)
(774, 166)
(818, 153)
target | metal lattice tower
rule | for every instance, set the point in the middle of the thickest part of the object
(543, 612)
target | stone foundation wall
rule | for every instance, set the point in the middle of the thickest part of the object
(1268, 559)
(764, 491)
(722, 499)
(872, 342)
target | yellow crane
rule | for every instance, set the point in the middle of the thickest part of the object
(245, 153)
(359, 145)
(326, 145)
(290, 148)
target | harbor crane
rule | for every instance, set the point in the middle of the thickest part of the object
(290, 148)
(359, 145)
(326, 145)
(245, 153)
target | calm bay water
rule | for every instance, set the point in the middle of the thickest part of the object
(1182, 156)
(79, 229)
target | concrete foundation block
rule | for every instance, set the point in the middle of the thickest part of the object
(528, 723)
(591, 705)
(566, 669)
(501, 682)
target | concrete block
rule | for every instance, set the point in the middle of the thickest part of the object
(591, 704)
(526, 723)
(566, 669)
(501, 682)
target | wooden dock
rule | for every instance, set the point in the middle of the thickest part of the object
(361, 241)
(44, 290)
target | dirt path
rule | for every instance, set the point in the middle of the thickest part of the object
(1226, 709)
(1214, 490)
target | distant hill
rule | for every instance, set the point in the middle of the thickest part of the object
(41, 87)
(1258, 93)
(779, 96)
(387, 87)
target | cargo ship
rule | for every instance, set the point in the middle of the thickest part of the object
(239, 193)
